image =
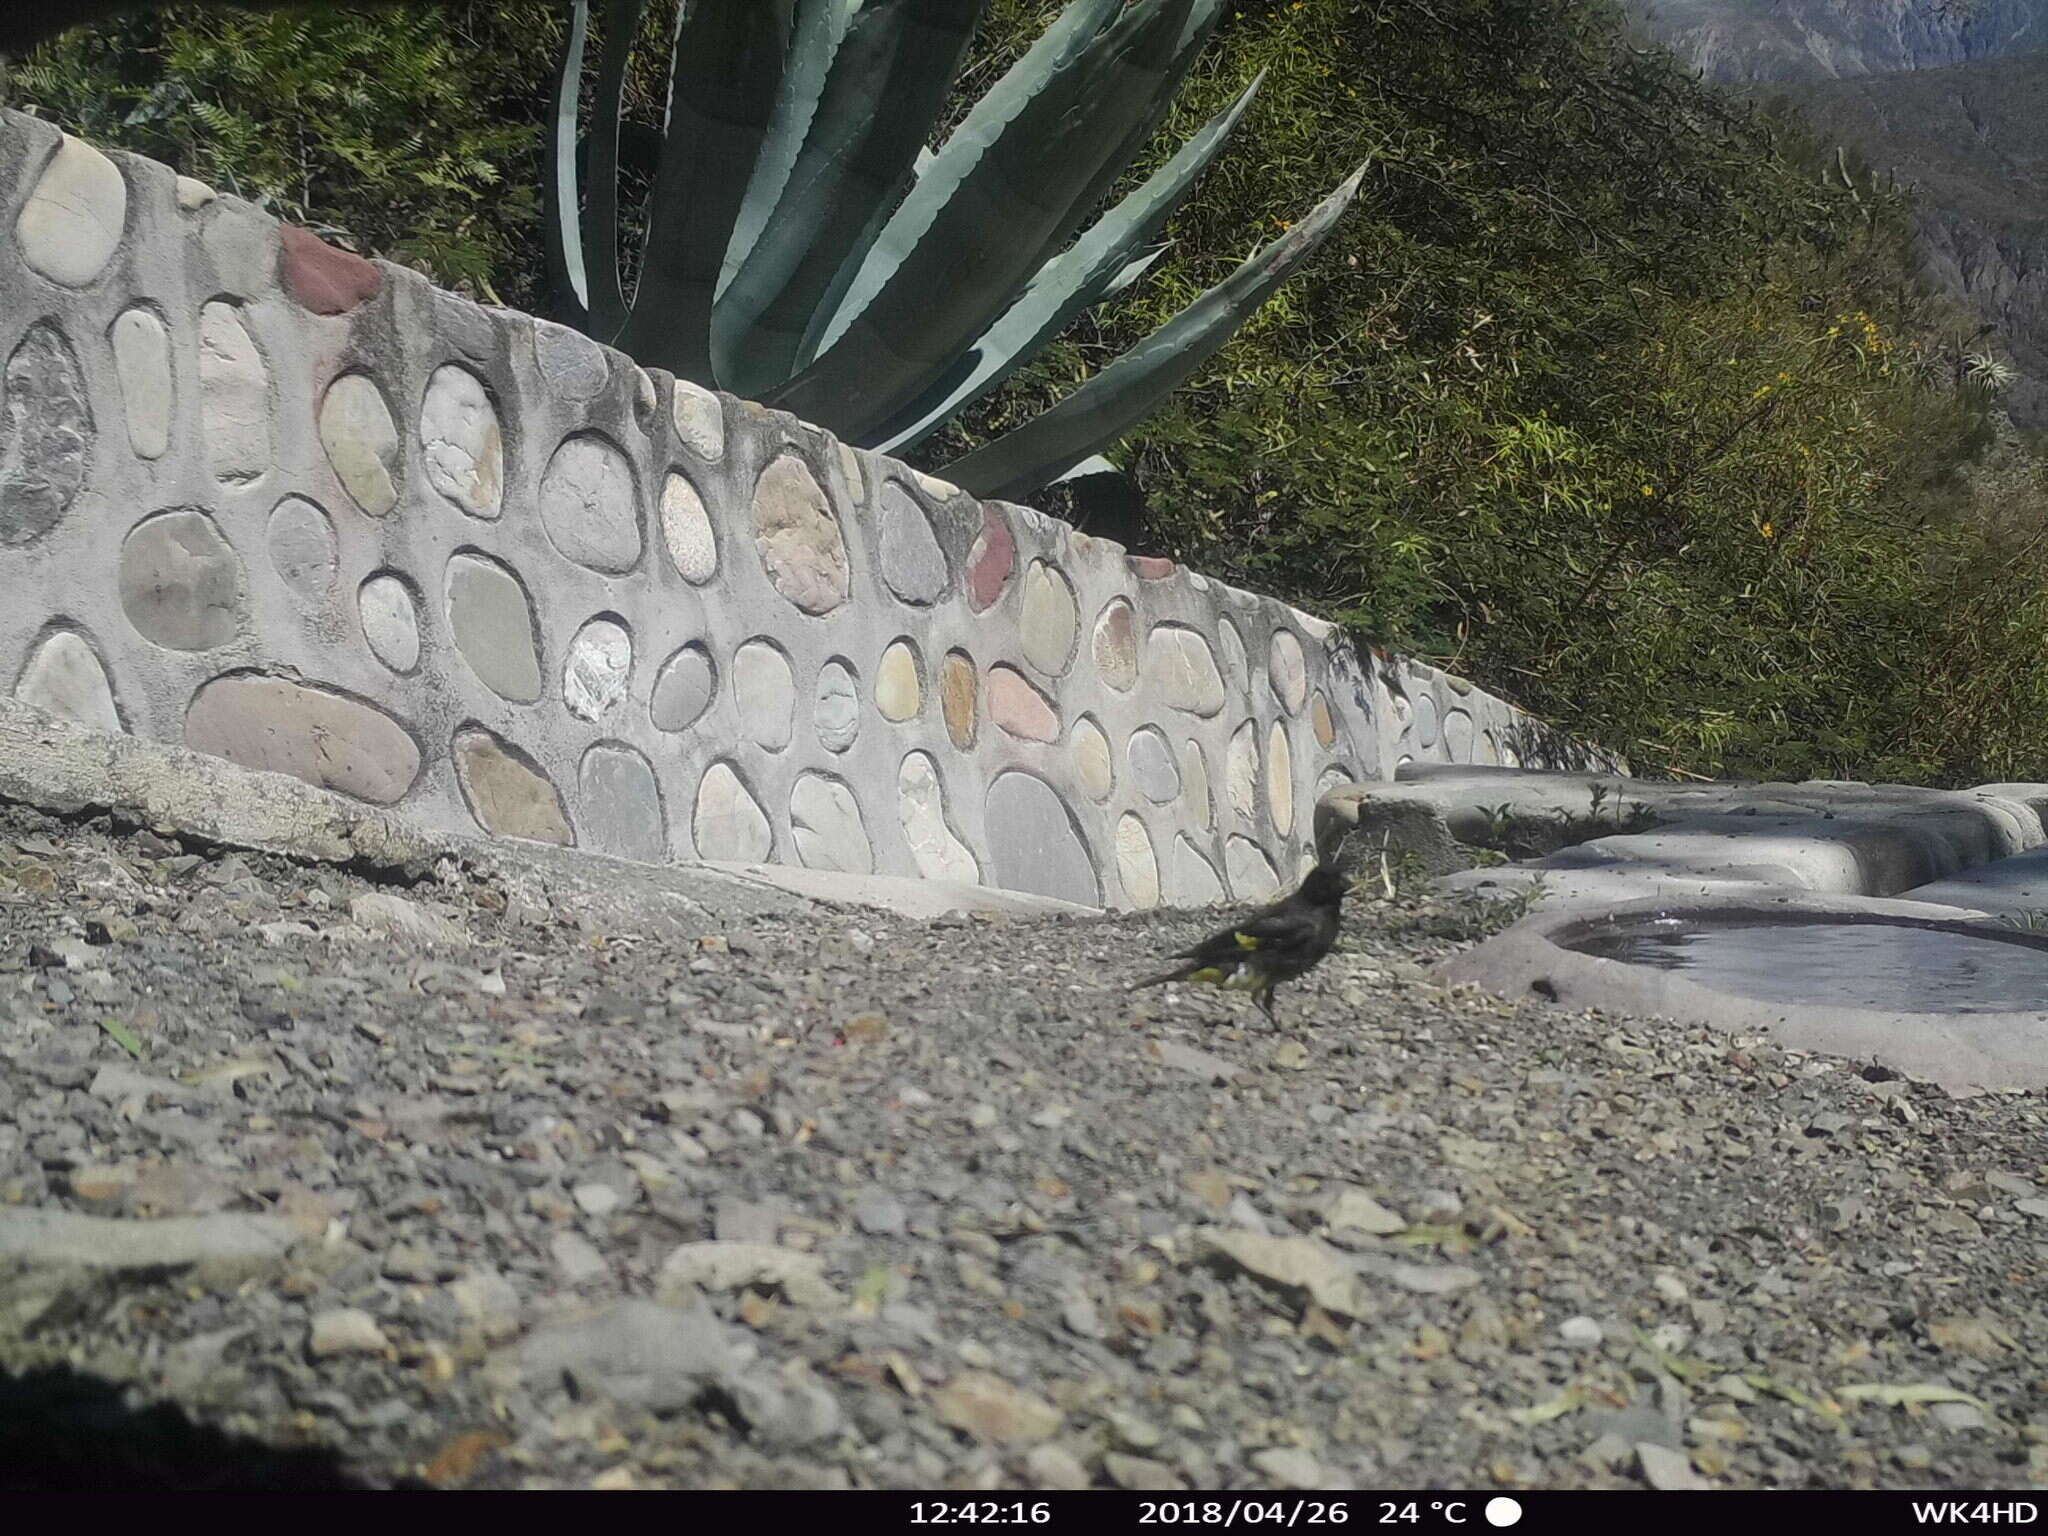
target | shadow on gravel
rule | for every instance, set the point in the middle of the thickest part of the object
(64, 1431)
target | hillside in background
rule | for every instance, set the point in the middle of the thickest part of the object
(1741, 41)
(1949, 95)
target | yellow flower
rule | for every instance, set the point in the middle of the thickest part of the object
(1649, 490)
(1769, 530)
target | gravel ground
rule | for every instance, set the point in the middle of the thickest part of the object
(306, 1178)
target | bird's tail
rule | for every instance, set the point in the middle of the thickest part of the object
(1178, 973)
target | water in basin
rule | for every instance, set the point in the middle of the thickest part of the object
(1907, 967)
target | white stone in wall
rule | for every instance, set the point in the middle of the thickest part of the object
(686, 529)
(1050, 619)
(730, 824)
(835, 711)
(1252, 875)
(1194, 773)
(1425, 720)
(234, 395)
(72, 222)
(1287, 670)
(461, 443)
(588, 506)
(899, 694)
(1458, 736)
(302, 547)
(64, 677)
(798, 537)
(699, 421)
(1241, 772)
(1137, 865)
(1092, 766)
(194, 195)
(142, 362)
(1115, 645)
(921, 807)
(361, 441)
(1236, 670)
(1180, 669)
(1280, 779)
(390, 621)
(764, 691)
(597, 669)
(825, 823)
(1195, 881)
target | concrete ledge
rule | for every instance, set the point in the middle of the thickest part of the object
(1965, 1053)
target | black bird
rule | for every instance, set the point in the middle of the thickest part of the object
(1274, 944)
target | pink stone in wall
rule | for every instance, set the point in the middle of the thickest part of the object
(991, 561)
(323, 279)
(1152, 567)
(1019, 708)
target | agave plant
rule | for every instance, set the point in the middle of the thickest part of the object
(803, 246)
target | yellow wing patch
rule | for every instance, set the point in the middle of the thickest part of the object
(1245, 941)
(1209, 973)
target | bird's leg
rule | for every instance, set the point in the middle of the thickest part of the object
(1264, 998)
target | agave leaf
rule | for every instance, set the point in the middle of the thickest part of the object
(1100, 264)
(607, 301)
(568, 284)
(1120, 396)
(1194, 37)
(972, 230)
(1056, 49)
(814, 32)
(1088, 467)
(886, 83)
(722, 86)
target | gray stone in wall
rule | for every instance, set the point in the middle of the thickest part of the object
(589, 507)
(1241, 772)
(1033, 844)
(492, 621)
(302, 547)
(66, 677)
(46, 434)
(621, 803)
(73, 220)
(826, 824)
(1152, 765)
(142, 363)
(181, 582)
(462, 444)
(507, 792)
(913, 565)
(574, 366)
(1094, 769)
(683, 689)
(234, 396)
(1196, 802)
(329, 739)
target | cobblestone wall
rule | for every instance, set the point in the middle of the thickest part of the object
(307, 512)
